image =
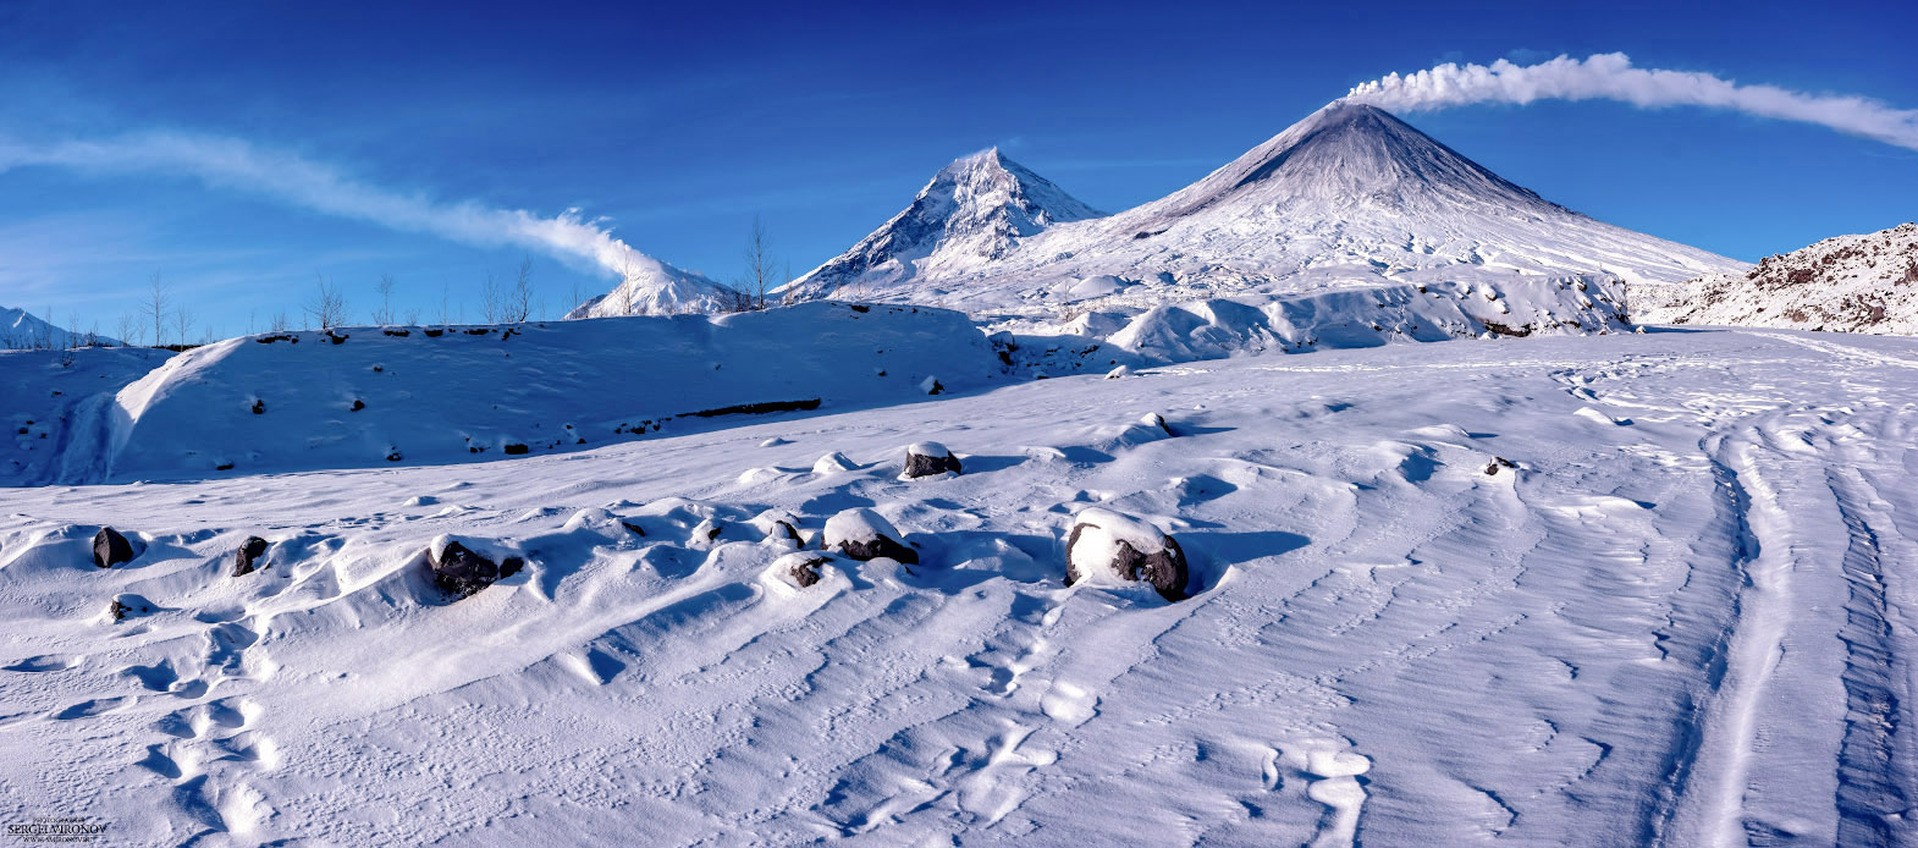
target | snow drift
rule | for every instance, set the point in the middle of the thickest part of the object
(373, 397)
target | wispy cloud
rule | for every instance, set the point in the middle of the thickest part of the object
(233, 164)
(1611, 76)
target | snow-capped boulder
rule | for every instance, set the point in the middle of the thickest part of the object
(460, 572)
(125, 605)
(863, 534)
(1106, 548)
(926, 459)
(247, 555)
(780, 528)
(110, 548)
(799, 569)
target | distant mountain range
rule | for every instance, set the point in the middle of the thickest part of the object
(1349, 196)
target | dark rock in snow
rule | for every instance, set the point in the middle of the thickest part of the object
(123, 606)
(1498, 461)
(926, 459)
(1105, 545)
(249, 553)
(357, 405)
(804, 570)
(110, 548)
(634, 528)
(460, 572)
(259, 407)
(863, 535)
(516, 449)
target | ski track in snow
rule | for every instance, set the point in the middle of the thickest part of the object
(1678, 620)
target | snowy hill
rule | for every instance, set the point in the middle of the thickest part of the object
(1350, 198)
(400, 396)
(651, 287)
(974, 211)
(1674, 614)
(21, 330)
(1855, 283)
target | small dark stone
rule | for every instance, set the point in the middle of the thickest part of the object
(248, 553)
(117, 610)
(224, 466)
(357, 405)
(1498, 461)
(460, 572)
(515, 449)
(398, 333)
(393, 455)
(636, 529)
(785, 530)
(433, 332)
(110, 548)
(806, 572)
(336, 338)
(259, 407)
(921, 465)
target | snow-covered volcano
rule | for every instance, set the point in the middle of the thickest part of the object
(651, 287)
(1350, 196)
(973, 212)
(22, 330)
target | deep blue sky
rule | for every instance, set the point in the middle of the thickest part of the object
(681, 123)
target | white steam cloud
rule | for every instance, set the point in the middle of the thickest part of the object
(236, 165)
(1610, 76)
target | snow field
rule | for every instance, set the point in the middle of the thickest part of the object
(1679, 620)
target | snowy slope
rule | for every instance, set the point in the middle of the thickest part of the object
(394, 396)
(21, 330)
(974, 211)
(1854, 283)
(1350, 197)
(651, 287)
(1681, 616)
(42, 394)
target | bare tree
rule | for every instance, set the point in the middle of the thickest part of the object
(158, 303)
(183, 320)
(328, 306)
(280, 322)
(383, 315)
(760, 276)
(492, 300)
(519, 301)
(129, 329)
(625, 289)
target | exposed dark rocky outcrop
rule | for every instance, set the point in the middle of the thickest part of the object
(460, 572)
(247, 557)
(110, 548)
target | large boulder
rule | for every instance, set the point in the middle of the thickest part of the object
(248, 555)
(110, 548)
(460, 572)
(927, 459)
(863, 534)
(1109, 548)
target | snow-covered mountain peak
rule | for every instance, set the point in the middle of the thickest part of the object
(1349, 155)
(973, 211)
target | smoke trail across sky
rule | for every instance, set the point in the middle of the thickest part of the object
(1611, 76)
(233, 164)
